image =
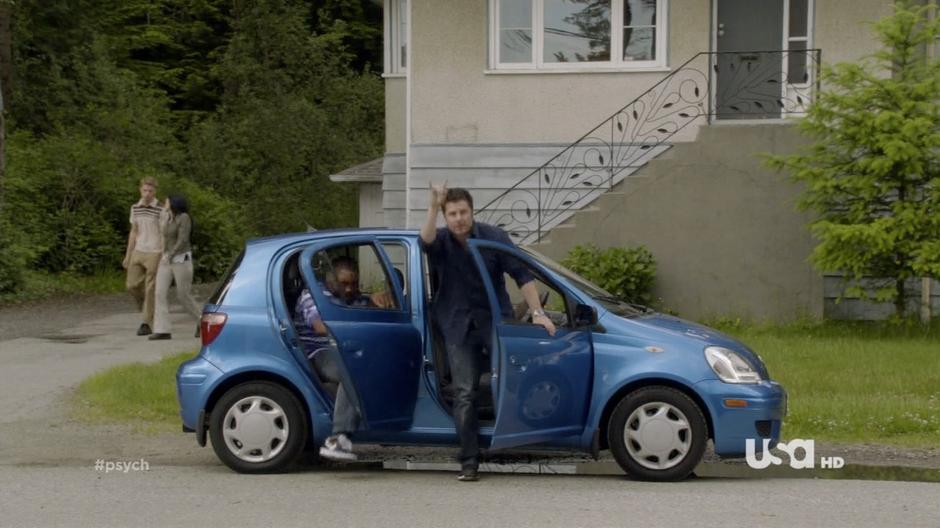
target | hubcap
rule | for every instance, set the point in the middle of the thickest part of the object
(657, 435)
(255, 429)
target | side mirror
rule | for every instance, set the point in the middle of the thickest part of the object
(584, 315)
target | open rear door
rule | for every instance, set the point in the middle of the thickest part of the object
(379, 349)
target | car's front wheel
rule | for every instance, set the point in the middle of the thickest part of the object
(258, 427)
(657, 433)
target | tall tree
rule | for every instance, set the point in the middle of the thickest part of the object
(873, 173)
(356, 25)
(6, 76)
(292, 113)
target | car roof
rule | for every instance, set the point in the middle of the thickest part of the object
(310, 236)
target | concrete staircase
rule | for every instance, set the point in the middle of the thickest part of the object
(722, 226)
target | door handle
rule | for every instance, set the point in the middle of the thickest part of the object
(282, 326)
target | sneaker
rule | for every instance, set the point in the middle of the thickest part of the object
(156, 337)
(144, 329)
(468, 475)
(338, 447)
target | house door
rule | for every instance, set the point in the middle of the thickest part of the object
(749, 65)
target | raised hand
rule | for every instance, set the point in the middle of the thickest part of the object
(438, 193)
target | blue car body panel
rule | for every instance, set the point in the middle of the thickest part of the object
(588, 368)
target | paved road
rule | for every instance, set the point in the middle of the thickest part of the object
(212, 496)
(48, 478)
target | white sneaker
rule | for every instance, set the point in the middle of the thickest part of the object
(338, 447)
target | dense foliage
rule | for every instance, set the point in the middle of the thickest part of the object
(244, 107)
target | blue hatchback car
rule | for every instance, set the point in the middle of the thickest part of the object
(652, 388)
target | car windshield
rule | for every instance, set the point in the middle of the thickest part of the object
(602, 296)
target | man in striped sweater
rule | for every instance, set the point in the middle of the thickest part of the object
(143, 252)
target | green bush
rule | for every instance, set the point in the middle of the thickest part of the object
(68, 200)
(627, 272)
(14, 257)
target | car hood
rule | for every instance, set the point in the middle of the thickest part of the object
(687, 331)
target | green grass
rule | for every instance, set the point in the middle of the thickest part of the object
(38, 285)
(854, 382)
(142, 394)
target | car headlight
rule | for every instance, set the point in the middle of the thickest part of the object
(730, 366)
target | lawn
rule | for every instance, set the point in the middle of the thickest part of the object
(142, 394)
(854, 382)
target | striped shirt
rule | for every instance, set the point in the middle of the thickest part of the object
(306, 314)
(146, 218)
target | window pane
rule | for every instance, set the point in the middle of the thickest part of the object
(515, 31)
(577, 31)
(639, 13)
(353, 276)
(798, 18)
(403, 33)
(516, 310)
(639, 44)
(515, 14)
(515, 45)
(398, 254)
(796, 63)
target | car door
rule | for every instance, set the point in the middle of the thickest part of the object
(541, 383)
(379, 349)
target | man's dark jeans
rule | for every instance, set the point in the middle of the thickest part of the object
(466, 364)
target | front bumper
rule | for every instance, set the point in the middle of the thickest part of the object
(762, 417)
(194, 382)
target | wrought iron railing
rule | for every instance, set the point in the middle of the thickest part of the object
(709, 86)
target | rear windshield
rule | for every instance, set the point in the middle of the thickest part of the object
(219, 296)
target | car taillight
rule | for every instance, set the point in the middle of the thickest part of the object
(210, 326)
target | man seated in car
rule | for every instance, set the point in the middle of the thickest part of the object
(342, 286)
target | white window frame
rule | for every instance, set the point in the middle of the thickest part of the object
(396, 20)
(538, 64)
(808, 39)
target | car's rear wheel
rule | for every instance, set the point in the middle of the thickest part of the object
(657, 433)
(258, 427)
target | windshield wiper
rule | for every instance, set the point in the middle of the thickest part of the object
(616, 300)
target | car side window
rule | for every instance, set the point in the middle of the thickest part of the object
(551, 298)
(354, 276)
(398, 254)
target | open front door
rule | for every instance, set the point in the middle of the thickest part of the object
(541, 383)
(379, 349)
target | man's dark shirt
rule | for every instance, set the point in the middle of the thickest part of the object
(460, 302)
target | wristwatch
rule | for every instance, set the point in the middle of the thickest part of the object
(538, 313)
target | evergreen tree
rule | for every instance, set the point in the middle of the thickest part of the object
(873, 173)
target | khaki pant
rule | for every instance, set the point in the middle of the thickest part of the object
(142, 280)
(182, 274)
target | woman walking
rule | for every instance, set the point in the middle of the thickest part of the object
(176, 265)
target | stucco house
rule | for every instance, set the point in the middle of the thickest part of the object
(621, 122)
